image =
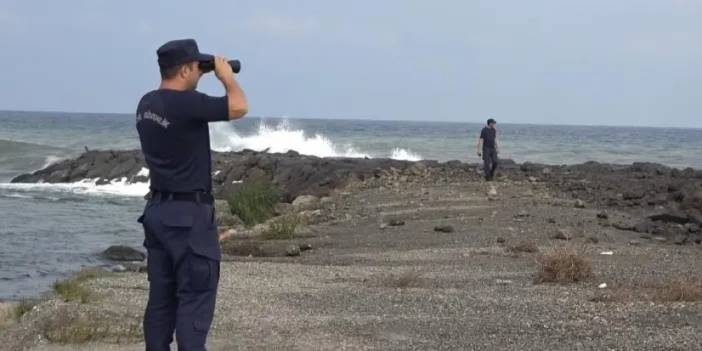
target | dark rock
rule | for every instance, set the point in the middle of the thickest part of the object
(644, 227)
(396, 222)
(444, 228)
(603, 215)
(670, 217)
(123, 253)
(500, 240)
(645, 236)
(293, 250)
(305, 247)
(522, 214)
(552, 220)
(680, 239)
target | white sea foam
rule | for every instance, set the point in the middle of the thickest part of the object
(50, 160)
(86, 186)
(143, 172)
(406, 155)
(283, 138)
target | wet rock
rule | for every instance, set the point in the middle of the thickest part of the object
(446, 228)
(306, 203)
(123, 253)
(292, 250)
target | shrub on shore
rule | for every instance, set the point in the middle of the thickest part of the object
(255, 202)
(562, 266)
(282, 228)
(72, 289)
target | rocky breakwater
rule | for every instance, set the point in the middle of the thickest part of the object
(292, 173)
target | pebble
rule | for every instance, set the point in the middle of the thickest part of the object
(444, 228)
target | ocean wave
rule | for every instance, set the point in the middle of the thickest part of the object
(119, 187)
(282, 138)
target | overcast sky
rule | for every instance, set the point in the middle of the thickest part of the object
(623, 62)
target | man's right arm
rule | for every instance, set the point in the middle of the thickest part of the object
(237, 105)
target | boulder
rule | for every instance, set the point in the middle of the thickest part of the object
(123, 253)
(224, 215)
(292, 250)
(305, 203)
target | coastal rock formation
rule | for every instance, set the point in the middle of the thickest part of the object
(664, 198)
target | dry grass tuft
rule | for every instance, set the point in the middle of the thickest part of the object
(524, 246)
(409, 279)
(562, 266)
(684, 290)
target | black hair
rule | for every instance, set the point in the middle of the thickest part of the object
(171, 72)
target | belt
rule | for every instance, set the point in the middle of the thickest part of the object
(198, 197)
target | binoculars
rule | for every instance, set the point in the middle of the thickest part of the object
(209, 66)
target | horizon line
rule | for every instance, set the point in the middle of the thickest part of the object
(390, 120)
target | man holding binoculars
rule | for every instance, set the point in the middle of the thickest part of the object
(179, 225)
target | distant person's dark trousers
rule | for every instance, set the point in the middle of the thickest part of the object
(183, 269)
(490, 162)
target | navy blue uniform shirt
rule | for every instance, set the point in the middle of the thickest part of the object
(488, 135)
(175, 138)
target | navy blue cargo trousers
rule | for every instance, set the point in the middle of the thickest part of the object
(183, 271)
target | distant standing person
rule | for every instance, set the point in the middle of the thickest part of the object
(488, 148)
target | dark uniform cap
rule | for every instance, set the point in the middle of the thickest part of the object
(491, 121)
(178, 52)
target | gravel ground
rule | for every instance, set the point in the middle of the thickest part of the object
(368, 285)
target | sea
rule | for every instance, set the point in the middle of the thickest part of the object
(48, 231)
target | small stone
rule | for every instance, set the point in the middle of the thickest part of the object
(634, 243)
(660, 239)
(522, 214)
(561, 234)
(533, 179)
(396, 222)
(552, 220)
(292, 250)
(444, 228)
(593, 239)
(579, 204)
(503, 282)
(603, 215)
(500, 240)
(602, 286)
(645, 236)
(383, 225)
